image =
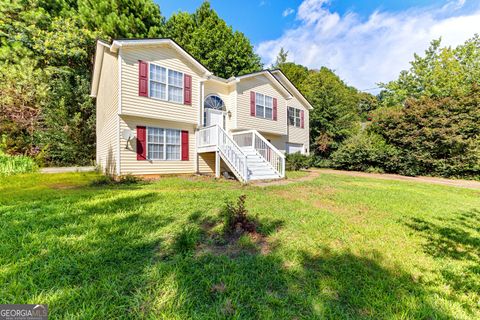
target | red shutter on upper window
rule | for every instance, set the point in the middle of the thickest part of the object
(184, 145)
(252, 103)
(142, 78)
(187, 89)
(141, 143)
(275, 109)
(302, 119)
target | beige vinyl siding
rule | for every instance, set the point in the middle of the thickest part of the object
(129, 162)
(134, 105)
(206, 163)
(279, 142)
(244, 120)
(226, 93)
(106, 114)
(296, 134)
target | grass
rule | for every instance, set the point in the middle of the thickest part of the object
(10, 165)
(296, 174)
(335, 247)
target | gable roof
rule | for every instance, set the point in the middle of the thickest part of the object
(276, 77)
(269, 76)
(127, 43)
(291, 86)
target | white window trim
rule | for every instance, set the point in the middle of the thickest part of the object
(264, 106)
(166, 84)
(293, 109)
(165, 144)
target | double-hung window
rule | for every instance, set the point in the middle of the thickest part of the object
(294, 118)
(263, 106)
(163, 144)
(158, 82)
(166, 84)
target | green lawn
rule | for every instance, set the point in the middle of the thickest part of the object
(335, 247)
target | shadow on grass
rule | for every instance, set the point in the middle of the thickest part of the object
(253, 284)
(455, 238)
(87, 258)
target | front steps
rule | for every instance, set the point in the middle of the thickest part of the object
(257, 167)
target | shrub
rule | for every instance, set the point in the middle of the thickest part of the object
(297, 161)
(129, 179)
(10, 165)
(236, 218)
(435, 136)
(106, 179)
(366, 152)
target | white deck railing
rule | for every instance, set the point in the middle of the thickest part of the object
(214, 138)
(264, 148)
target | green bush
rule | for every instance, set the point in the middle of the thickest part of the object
(16, 164)
(236, 218)
(106, 179)
(366, 152)
(438, 137)
(297, 161)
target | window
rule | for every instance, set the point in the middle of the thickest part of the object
(263, 106)
(166, 84)
(175, 86)
(163, 144)
(294, 118)
(158, 82)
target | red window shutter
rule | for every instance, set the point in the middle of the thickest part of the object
(252, 103)
(187, 89)
(302, 119)
(141, 143)
(142, 78)
(275, 109)
(184, 145)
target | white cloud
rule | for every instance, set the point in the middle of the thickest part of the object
(367, 51)
(287, 12)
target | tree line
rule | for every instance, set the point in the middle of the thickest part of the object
(424, 122)
(46, 59)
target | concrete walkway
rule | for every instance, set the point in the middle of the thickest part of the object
(66, 169)
(313, 173)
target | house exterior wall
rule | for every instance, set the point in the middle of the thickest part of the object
(299, 135)
(227, 94)
(128, 154)
(116, 157)
(135, 105)
(245, 121)
(106, 115)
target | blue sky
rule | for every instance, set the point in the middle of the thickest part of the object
(364, 41)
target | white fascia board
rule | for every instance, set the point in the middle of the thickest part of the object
(293, 88)
(116, 44)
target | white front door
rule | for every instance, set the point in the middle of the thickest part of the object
(215, 117)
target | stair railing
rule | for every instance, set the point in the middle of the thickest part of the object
(252, 138)
(233, 155)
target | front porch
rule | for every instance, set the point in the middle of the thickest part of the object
(247, 154)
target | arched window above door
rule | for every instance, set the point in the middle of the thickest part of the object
(214, 102)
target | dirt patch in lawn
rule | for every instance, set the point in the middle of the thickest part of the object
(248, 243)
(62, 186)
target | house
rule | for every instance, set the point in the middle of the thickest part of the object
(160, 111)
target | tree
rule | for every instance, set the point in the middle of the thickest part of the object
(334, 115)
(436, 136)
(442, 72)
(208, 38)
(46, 57)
